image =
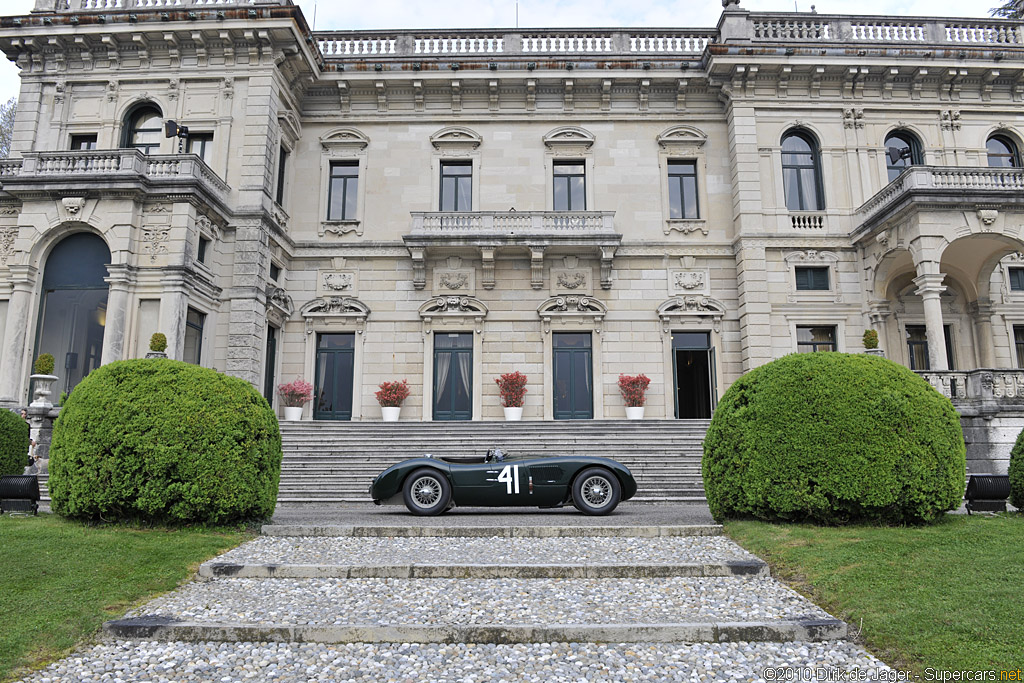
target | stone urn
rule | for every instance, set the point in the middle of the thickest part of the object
(634, 412)
(43, 390)
(390, 413)
(156, 354)
(513, 413)
(875, 352)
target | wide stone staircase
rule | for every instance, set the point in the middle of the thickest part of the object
(334, 462)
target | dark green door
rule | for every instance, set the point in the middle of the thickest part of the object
(573, 376)
(453, 376)
(335, 360)
(693, 362)
(270, 363)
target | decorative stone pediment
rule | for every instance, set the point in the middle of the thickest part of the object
(279, 305)
(336, 310)
(207, 227)
(456, 139)
(811, 257)
(682, 311)
(570, 139)
(465, 311)
(344, 140)
(679, 138)
(583, 311)
(291, 127)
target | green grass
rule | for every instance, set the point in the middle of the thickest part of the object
(60, 580)
(947, 596)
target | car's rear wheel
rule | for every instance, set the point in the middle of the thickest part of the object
(596, 491)
(427, 492)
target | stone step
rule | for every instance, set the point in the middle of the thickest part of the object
(434, 527)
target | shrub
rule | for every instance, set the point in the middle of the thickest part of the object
(43, 364)
(392, 394)
(512, 387)
(158, 342)
(163, 441)
(634, 389)
(1017, 472)
(833, 438)
(870, 339)
(295, 394)
(13, 443)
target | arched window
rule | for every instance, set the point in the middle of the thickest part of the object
(902, 150)
(801, 172)
(143, 129)
(1002, 152)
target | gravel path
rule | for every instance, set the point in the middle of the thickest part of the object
(364, 551)
(482, 601)
(149, 662)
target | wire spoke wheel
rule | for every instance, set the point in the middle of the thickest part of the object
(596, 491)
(426, 491)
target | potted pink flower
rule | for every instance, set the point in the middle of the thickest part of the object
(512, 387)
(634, 390)
(390, 397)
(294, 395)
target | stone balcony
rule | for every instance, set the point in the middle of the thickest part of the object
(984, 385)
(93, 172)
(484, 233)
(114, 5)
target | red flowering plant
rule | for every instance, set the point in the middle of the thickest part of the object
(633, 389)
(512, 386)
(392, 394)
(295, 394)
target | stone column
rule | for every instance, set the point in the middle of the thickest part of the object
(248, 309)
(13, 374)
(930, 288)
(114, 331)
(982, 311)
(173, 307)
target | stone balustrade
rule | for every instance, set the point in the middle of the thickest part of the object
(985, 384)
(943, 179)
(787, 27)
(510, 223)
(114, 5)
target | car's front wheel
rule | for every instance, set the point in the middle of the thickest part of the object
(596, 491)
(427, 492)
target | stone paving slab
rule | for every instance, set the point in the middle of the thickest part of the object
(187, 662)
(567, 531)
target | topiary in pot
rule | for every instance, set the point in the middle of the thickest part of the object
(870, 339)
(1017, 473)
(833, 438)
(13, 443)
(44, 364)
(163, 441)
(158, 342)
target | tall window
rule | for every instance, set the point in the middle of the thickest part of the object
(1016, 279)
(811, 278)
(200, 144)
(682, 189)
(83, 142)
(917, 347)
(902, 150)
(801, 173)
(282, 165)
(570, 186)
(1018, 343)
(342, 191)
(1002, 152)
(817, 338)
(456, 186)
(194, 323)
(144, 129)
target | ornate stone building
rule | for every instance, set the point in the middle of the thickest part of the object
(447, 206)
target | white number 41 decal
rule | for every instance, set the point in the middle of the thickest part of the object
(510, 477)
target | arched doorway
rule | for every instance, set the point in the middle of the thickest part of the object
(73, 307)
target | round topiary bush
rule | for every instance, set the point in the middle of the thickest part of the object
(158, 342)
(164, 441)
(43, 364)
(833, 438)
(1017, 473)
(13, 443)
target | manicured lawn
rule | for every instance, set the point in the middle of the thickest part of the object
(948, 596)
(60, 580)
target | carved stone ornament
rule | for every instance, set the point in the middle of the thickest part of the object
(682, 137)
(690, 280)
(572, 280)
(950, 119)
(207, 226)
(454, 280)
(681, 311)
(565, 310)
(154, 240)
(73, 205)
(573, 138)
(457, 138)
(343, 140)
(686, 226)
(278, 299)
(333, 305)
(331, 310)
(458, 279)
(7, 237)
(853, 118)
(337, 282)
(460, 310)
(988, 216)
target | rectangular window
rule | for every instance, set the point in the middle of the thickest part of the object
(682, 189)
(816, 338)
(282, 163)
(1018, 343)
(83, 142)
(456, 186)
(1017, 279)
(194, 322)
(275, 272)
(917, 347)
(811, 279)
(200, 144)
(570, 186)
(201, 254)
(342, 191)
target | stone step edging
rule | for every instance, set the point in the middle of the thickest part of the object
(496, 531)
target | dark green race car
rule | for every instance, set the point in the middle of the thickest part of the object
(430, 486)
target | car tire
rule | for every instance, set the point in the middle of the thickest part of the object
(596, 491)
(426, 492)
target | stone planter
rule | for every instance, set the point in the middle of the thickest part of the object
(634, 412)
(875, 352)
(390, 414)
(156, 354)
(293, 413)
(43, 390)
(513, 413)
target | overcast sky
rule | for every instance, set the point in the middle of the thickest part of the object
(360, 14)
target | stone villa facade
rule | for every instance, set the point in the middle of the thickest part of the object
(448, 206)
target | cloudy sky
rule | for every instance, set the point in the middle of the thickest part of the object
(353, 14)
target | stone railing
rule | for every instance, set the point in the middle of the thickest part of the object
(106, 165)
(807, 220)
(511, 223)
(113, 5)
(985, 384)
(790, 27)
(944, 178)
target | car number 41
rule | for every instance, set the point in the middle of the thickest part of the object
(510, 477)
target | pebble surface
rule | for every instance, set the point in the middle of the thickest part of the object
(483, 601)
(177, 662)
(369, 551)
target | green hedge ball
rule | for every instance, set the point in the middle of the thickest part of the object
(13, 443)
(167, 442)
(834, 438)
(1017, 473)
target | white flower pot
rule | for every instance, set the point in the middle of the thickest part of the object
(390, 414)
(634, 413)
(513, 414)
(293, 413)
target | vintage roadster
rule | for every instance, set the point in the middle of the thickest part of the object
(430, 486)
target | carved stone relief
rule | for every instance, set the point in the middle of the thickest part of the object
(154, 240)
(7, 237)
(689, 282)
(336, 283)
(572, 280)
(461, 281)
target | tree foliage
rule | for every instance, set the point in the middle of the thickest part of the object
(7, 126)
(1011, 9)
